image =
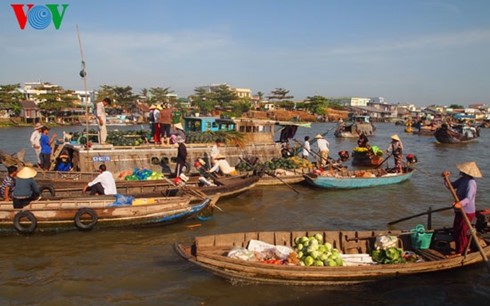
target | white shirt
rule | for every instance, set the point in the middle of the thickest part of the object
(101, 112)
(306, 148)
(214, 152)
(35, 138)
(107, 181)
(322, 144)
(223, 165)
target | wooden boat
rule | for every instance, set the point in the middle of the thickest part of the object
(98, 211)
(365, 157)
(54, 184)
(268, 180)
(343, 179)
(210, 253)
(354, 127)
(227, 187)
(457, 134)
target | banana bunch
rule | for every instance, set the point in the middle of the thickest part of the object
(360, 149)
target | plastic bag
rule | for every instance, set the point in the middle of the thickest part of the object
(242, 253)
(122, 200)
(384, 242)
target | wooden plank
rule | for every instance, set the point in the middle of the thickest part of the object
(283, 238)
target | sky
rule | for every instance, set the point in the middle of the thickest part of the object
(423, 52)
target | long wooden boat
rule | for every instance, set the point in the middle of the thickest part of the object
(98, 212)
(55, 184)
(343, 179)
(456, 135)
(210, 253)
(268, 180)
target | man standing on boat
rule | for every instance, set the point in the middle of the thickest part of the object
(156, 124)
(181, 157)
(46, 148)
(35, 144)
(101, 118)
(323, 150)
(165, 120)
(104, 183)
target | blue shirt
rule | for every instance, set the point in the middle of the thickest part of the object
(45, 146)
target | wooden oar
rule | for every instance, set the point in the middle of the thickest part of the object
(466, 220)
(419, 214)
(387, 157)
(285, 183)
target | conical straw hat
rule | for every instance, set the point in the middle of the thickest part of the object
(395, 137)
(470, 168)
(27, 172)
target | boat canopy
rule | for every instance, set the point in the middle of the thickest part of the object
(204, 124)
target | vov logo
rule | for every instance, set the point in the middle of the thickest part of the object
(39, 16)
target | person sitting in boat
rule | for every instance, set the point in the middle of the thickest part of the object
(363, 141)
(204, 176)
(286, 150)
(8, 184)
(343, 156)
(396, 149)
(64, 163)
(221, 164)
(103, 184)
(26, 188)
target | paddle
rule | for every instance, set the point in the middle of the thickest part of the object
(419, 214)
(383, 161)
(466, 220)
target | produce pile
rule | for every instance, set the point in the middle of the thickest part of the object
(228, 137)
(291, 163)
(363, 151)
(140, 175)
(391, 255)
(313, 251)
(128, 138)
(117, 138)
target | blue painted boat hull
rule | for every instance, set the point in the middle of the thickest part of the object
(329, 182)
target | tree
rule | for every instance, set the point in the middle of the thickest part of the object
(317, 104)
(10, 98)
(456, 106)
(261, 95)
(224, 95)
(159, 94)
(122, 97)
(280, 94)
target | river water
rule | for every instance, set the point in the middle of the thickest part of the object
(138, 266)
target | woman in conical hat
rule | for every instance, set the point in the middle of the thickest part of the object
(396, 149)
(26, 188)
(465, 187)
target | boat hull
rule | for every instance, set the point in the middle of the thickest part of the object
(348, 182)
(62, 215)
(209, 252)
